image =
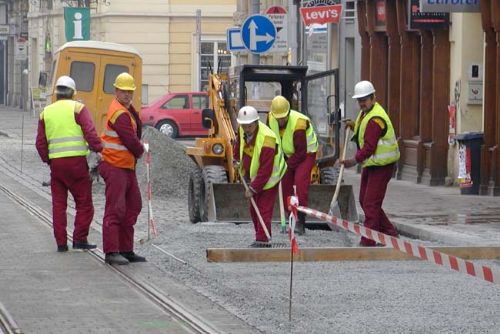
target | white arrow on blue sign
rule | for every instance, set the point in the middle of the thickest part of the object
(258, 33)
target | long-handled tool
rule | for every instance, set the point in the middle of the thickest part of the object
(334, 204)
(282, 209)
(151, 222)
(261, 221)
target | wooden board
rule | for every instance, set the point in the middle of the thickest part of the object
(340, 254)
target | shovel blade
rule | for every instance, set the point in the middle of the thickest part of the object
(227, 203)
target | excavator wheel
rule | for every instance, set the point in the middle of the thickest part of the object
(210, 174)
(194, 195)
(329, 175)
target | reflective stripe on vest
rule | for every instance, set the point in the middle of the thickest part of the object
(279, 164)
(64, 136)
(287, 138)
(114, 152)
(111, 133)
(115, 146)
(387, 150)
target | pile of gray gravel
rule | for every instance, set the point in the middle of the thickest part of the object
(170, 166)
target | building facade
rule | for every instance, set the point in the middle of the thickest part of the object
(176, 38)
(436, 81)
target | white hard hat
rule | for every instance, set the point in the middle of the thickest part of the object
(363, 89)
(247, 115)
(65, 81)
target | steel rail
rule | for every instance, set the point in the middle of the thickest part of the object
(7, 323)
(186, 318)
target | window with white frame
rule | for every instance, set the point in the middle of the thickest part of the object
(214, 57)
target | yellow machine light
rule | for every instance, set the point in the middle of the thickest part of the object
(218, 149)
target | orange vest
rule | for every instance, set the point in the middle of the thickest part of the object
(114, 152)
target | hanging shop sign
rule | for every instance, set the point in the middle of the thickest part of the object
(426, 20)
(77, 23)
(321, 12)
(450, 6)
(380, 14)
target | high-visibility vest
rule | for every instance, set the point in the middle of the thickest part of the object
(279, 164)
(114, 152)
(64, 135)
(387, 150)
(287, 137)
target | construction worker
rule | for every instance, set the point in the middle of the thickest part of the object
(261, 162)
(378, 153)
(65, 134)
(122, 148)
(299, 144)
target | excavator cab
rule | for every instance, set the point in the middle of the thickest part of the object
(215, 193)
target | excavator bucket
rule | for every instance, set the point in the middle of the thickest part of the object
(227, 203)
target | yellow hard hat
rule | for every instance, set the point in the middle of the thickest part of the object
(124, 81)
(280, 107)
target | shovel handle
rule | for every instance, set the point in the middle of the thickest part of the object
(256, 208)
(341, 172)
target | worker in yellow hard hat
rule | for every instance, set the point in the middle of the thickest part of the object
(122, 148)
(299, 144)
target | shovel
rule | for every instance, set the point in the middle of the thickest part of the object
(282, 210)
(256, 208)
(334, 204)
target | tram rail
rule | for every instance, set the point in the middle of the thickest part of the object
(193, 323)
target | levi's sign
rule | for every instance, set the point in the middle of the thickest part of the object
(321, 14)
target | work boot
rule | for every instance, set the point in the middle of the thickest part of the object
(132, 257)
(300, 226)
(83, 245)
(62, 248)
(115, 258)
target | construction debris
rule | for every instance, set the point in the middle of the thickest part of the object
(170, 166)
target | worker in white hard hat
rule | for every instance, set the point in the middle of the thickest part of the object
(262, 164)
(378, 153)
(299, 144)
(65, 135)
(122, 148)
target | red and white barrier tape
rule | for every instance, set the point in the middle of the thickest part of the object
(413, 249)
(151, 222)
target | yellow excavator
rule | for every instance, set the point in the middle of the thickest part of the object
(215, 193)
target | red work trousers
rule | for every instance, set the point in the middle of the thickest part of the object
(71, 174)
(301, 178)
(123, 205)
(374, 181)
(265, 202)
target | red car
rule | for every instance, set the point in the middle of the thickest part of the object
(177, 114)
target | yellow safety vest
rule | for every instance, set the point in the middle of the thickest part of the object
(64, 135)
(279, 164)
(387, 150)
(287, 138)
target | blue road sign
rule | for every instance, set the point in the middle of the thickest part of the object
(234, 42)
(258, 33)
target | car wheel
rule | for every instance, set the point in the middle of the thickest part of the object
(168, 128)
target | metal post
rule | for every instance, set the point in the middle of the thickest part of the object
(198, 40)
(255, 9)
(22, 141)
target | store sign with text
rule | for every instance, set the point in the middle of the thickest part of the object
(321, 14)
(450, 6)
(426, 20)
